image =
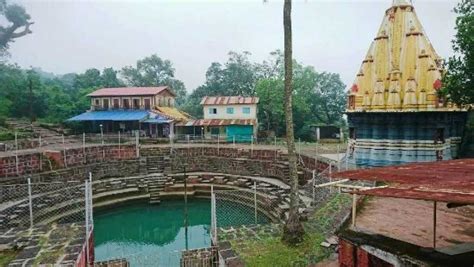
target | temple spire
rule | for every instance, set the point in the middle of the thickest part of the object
(401, 70)
(402, 3)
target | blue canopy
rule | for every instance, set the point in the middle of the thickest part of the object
(111, 115)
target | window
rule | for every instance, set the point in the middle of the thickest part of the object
(136, 103)
(169, 102)
(116, 103)
(147, 103)
(230, 110)
(106, 103)
(246, 110)
(97, 102)
(126, 104)
(212, 110)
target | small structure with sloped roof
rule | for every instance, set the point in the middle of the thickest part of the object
(227, 118)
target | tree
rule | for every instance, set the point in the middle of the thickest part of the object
(90, 78)
(329, 100)
(109, 78)
(318, 98)
(459, 78)
(293, 230)
(237, 76)
(154, 71)
(16, 18)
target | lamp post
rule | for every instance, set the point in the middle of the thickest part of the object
(101, 133)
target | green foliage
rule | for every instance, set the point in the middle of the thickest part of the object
(51, 98)
(154, 71)
(459, 79)
(15, 17)
(271, 251)
(6, 256)
(317, 97)
(16, 14)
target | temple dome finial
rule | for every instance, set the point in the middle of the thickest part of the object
(402, 3)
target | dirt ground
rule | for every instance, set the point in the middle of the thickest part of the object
(412, 221)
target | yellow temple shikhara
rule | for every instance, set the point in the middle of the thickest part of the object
(401, 70)
(401, 73)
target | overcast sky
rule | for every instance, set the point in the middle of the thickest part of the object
(72, 36)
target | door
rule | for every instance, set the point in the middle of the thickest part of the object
(239, 133)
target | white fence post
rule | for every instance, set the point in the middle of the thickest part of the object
(64, 151)
(86, 186)
(16, 154)
(30, 202)
(91, 207)
(16, 164)
(213, 216)
(251, 146)
(255, 199)
(347, 159)
(330, 176)
(84, 147)
(16, 141)
(39, 140)
(299, 147)
(314, 183)
(275, 141)
(338, 159)
(119, 152)
(137, 144)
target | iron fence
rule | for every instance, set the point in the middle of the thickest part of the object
(233, 208)
(33, 205)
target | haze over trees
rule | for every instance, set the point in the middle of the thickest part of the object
(318, 97)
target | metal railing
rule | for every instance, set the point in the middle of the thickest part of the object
(234, 208)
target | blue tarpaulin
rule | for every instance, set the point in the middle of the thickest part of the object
(158, 120)
(112, 115)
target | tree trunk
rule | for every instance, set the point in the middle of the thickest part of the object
(293, 230)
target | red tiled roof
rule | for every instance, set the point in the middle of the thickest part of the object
(447, 181)
(229, 100)
(126, 91)
(221, 122)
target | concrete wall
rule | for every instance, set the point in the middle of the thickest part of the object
(222, 112)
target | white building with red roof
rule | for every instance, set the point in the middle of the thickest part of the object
(228, 118)
(150, 110)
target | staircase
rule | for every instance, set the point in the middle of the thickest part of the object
(158, 164)
(156, 184)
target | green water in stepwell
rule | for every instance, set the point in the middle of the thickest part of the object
(154, 235)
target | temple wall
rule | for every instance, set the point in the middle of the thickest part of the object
(394, 138)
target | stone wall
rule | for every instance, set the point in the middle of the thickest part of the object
(35, 162)
(110, 161)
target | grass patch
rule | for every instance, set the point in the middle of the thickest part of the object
(7, 256)
(270, 251)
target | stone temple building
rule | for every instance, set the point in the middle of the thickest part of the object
(395, 112)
